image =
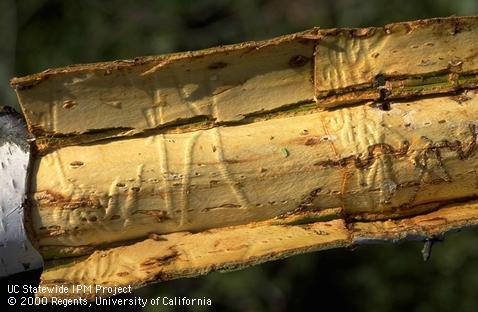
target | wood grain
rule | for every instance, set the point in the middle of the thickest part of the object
(171, 166)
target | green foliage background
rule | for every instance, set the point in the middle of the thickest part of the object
(40, 34)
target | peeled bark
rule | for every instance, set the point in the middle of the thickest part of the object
(172, 166)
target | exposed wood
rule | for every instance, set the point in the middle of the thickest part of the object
(172, 166)
(222, 84)
(403, 59)
(165, 257)
(229, 84)
(372, 163)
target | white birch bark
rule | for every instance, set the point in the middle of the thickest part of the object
(16, 252)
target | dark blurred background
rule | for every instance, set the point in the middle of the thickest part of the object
(40, 34)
